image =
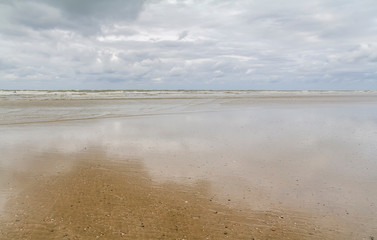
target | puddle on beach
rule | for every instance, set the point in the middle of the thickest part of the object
(217, 169)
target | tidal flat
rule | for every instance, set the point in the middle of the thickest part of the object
(188, 165)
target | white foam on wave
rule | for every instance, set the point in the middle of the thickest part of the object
(124, 94)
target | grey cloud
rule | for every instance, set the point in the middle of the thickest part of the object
(188, 44)
(36, 15)
(4, 64)
(112, 9)
(182, 35)
(84, 16)
(364, 52)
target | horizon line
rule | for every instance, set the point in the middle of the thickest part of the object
(109, 90)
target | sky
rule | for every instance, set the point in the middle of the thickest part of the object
(188, 44)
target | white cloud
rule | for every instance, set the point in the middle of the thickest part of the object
(188, 44)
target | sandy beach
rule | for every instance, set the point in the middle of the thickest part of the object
(188, 165)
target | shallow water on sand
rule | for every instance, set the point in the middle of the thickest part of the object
(279, 167)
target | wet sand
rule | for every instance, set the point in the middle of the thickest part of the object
(103, 200)
(205, 165)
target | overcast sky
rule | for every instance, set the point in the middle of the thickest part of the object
(188, 44)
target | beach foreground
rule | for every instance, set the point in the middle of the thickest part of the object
(188, 165)
(115, 201)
